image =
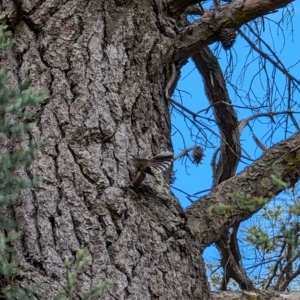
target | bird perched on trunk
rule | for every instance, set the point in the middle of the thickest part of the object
(160, 163)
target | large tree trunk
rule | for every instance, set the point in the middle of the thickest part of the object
(105, 66)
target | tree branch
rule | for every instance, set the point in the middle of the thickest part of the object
(270, 114)
(254, 183)
(278, 64)
(217, 295)
(226, 118)
(235, 14)
(230, 154)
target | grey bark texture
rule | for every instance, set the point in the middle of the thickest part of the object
(105, 66)
(254, 295)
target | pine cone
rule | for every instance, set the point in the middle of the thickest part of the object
(197, 155)
(227, 37)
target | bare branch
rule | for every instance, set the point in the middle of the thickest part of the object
(290, 279)
(279, 283)
(188, 196)
(270, 114)
(184, 108)
(278, 64)
(275, 268)
(184, 152)
(258, 142)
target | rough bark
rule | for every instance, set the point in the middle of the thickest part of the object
(254, 295)
(105, 65)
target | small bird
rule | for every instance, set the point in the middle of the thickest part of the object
(160, 162)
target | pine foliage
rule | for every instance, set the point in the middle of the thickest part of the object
(13, 123)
